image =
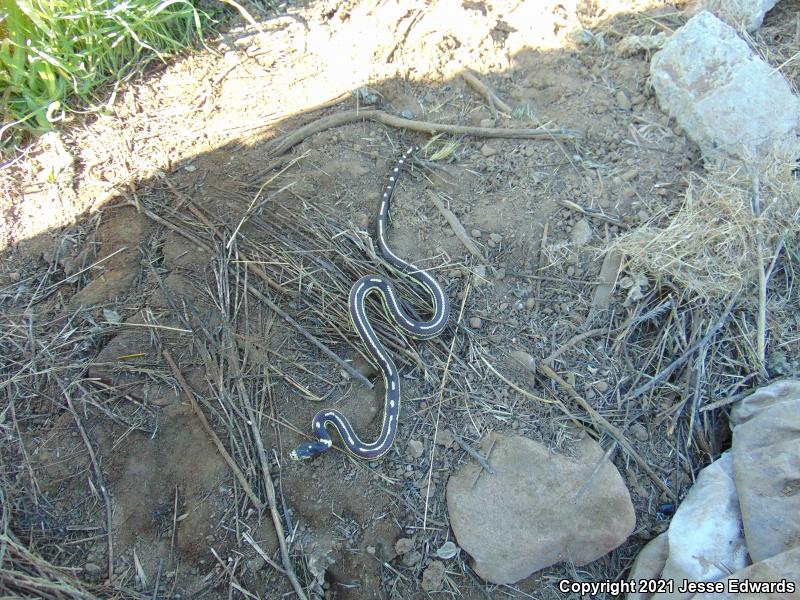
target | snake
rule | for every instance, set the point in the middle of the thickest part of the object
(382, 287)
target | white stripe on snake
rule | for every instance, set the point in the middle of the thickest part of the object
(377, 352)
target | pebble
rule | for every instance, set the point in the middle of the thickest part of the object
(475, 322)
(500, 274)
(629, 175)
(432, 576)
(415, 448)
(643, 216)
(530, 303)
(487, 122)
(476, 233)
(639, 432)
(495, 237)
(92, 569)
(411, 559)
(570, 271)
(601, 386)
(444, 437)
(404, 545)
(503, 306)
(371, 550)
(488, 150)
(362, 220)
(581, 233)
(628, 193)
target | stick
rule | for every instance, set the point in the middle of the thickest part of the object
(187, 392)
(685, 356)
(603, 423)
(457, 227)
(282, 144)
(486, 92)
(474, 454)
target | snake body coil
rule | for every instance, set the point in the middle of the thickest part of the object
(377, 284)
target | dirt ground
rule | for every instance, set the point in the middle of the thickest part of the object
(177, 230)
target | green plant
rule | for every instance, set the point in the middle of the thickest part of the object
(52, 51)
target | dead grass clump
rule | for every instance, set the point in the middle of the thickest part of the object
(715, 245)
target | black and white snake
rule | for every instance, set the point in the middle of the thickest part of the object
(380, 285)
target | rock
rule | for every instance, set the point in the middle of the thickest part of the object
(92, 569)
(649, 564)
(447, 551)
(475, 322)
(432, 576)
(581, 233)
(639, 432)
(444, 437)
(411, 559)
(495, 237)
(404, 546)
(476, 233)
(766, 467)
(601, 386)
(488, 150)
(780, 570)
(415, 448)
(255, 564)
(728, 100)
(529, 514)
(524, 360)
(362, 220)
(705, 536)
(749, 14)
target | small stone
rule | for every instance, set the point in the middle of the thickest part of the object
(92, 569)
(415, 448)
(643, 216)
(447, 551)
(404, 546)
(570, 271)
(371, 550)
(475, 322)
(362, 220)
(628, 193)
(476, 233)
(629, 175)
(500, 274)
(503, 306)
(639, 432)
(488, 150)
(444, 437)
(411, 559)
(581, 233)
(496, 237)
(432, 576)
(601, 386)
(530, 304)
(254, 565)
(487, 122)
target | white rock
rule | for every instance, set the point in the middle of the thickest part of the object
(729, 101)
(747, 14)
(705, 536)
(581, 233)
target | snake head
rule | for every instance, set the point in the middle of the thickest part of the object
(309, 450)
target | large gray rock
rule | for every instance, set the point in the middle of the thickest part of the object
(747, 14)
(766, 466)
(538, 509)
(729, 101)
(705, 536)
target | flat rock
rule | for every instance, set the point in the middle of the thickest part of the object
(728, 100)
(766, 467)
(538, 509)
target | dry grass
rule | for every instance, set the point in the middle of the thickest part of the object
(710, 249)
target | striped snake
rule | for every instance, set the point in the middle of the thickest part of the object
(380, 285)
